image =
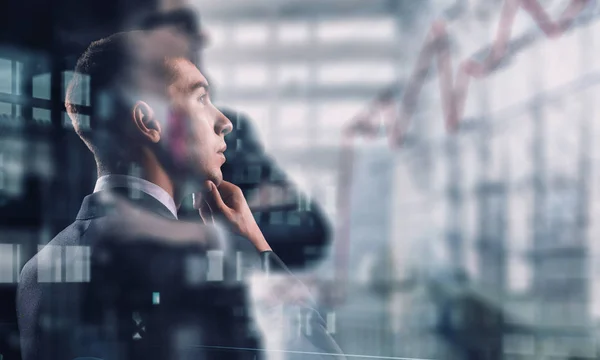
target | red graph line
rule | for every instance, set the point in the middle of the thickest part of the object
(453, 94)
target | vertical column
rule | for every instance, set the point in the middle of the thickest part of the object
(58, 195)
(492, 202)
(273, 63)
(24, 87)
(539, 187)
(583, 306)
(455, 202)
(9, 263)
(55, 201)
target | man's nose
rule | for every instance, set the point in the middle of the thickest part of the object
(223, 125)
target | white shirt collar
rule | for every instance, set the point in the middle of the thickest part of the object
(106, 182)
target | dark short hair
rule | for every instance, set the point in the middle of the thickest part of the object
(116, 69)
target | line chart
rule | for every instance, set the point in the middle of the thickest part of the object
(453, 91)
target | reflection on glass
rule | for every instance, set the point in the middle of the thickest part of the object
(356, 72)
(84, 121)
(19, 78)
(40, 86)
(335, 114)
(292, 33)
(6, 76)
(217, 77)
(217, 35)
(292, 115)
(5, 109)
(251, 34)
(375, 29)
(81, 97)
(292, 74)
(41, 116)
(250, 76)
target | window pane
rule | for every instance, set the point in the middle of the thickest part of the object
(216, 77)
(7, 263)
(292, 74)
(334, 115)
(41, 116)
(328, 138)
(292, 115)
(250, 76)
(217, 35)
(11, 165)
(292, 33)
(519, 274)
(382, 29)
(5, 76)
(291, 139)
(5, 109)
(363, 72)
(251, 34)
(41, 86)
(277, 217)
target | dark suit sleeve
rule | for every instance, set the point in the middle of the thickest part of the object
(249, 166)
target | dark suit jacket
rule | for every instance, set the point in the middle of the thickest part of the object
(138, 251)
(248, 166)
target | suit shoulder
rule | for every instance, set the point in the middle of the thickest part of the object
(68, 236)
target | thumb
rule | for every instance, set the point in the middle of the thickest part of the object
(215, 199)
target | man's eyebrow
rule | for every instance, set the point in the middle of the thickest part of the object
(197, 85)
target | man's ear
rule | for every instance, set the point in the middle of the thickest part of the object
(146, 122)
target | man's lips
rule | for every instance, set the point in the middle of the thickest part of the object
(222, 155)
(221, 152)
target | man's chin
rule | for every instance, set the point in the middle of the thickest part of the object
(216, 177)
(196, 181)
(199, 177)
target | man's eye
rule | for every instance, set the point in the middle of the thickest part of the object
(202, 98)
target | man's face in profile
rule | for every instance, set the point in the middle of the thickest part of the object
(195, 127)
